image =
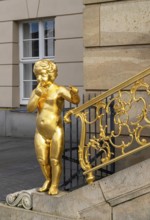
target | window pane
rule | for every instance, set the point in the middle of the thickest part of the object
(49, 47)
(31, 48)
(49, 29)
(28, 72)
(37, 42)
(28, 87)
(34, 84)
(30, 30)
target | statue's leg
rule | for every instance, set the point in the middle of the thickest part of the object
(56, 151)
(42, 152)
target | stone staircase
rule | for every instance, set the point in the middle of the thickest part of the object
(124, 195)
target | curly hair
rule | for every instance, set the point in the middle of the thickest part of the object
(47, 66)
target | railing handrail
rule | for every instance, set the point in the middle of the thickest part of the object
(115, 89)
(104, 142)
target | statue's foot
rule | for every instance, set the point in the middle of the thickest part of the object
(53, 190)
(45, 186)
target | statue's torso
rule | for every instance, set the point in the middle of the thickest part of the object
(49, 112)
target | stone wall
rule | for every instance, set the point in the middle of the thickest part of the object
(17, 124)
(116, 41)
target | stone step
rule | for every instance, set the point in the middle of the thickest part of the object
(100, 200)
(13, 213)
(70, 204)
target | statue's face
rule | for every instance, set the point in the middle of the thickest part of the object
(42, 77)
(45, 74)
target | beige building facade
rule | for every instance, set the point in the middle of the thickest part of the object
(95, 43)
(35, 29)
(115, 38)
(31, 30)
(116, 41)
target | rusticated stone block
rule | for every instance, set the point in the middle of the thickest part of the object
(105, 68)
(117, 23)
(125, 23)
(91, 25)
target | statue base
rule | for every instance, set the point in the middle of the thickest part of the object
(24, 205)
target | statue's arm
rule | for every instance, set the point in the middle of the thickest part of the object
(33, 102)
(71, 95)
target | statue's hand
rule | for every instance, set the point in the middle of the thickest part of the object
(74, 95)
(67, 116)
(73, 90)
(38, 90)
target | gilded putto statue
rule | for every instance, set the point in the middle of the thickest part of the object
(48, 98)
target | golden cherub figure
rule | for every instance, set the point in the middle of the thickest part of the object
(48, 98)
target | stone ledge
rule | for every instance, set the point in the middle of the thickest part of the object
(87, 2)
(127, 184)
(130, 195)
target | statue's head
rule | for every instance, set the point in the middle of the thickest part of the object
(45, 68)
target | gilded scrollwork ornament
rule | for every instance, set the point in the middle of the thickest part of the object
(130, 104)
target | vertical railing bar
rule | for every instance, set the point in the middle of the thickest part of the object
(64, 161)
(101, 171)
(89, 131)
(83, 101)
(77, 136)
(70, 149)
(107, 167)
(95, 136)
(112, 127)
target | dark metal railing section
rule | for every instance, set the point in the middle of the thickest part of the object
(73, 177)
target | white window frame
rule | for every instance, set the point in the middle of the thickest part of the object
(24, 60)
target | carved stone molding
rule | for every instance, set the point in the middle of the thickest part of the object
(21, 199)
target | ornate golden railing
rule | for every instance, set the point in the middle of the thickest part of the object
(131, 105)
